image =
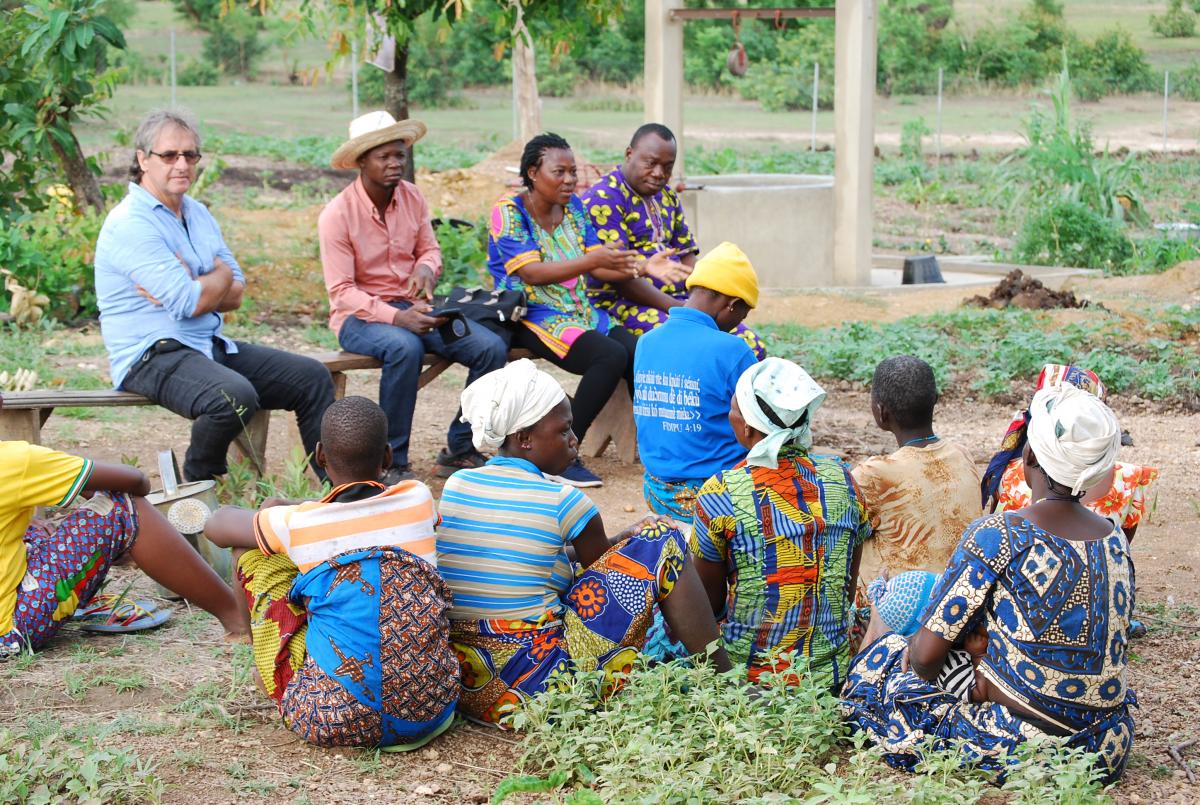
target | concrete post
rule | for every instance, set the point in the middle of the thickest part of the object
(854, 140)
(664, 71)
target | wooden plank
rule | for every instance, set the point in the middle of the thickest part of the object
(341, 361)
(71, 398)
(776, 14)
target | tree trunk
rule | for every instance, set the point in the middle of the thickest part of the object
(395, 98)
(529, 106)
(79, 176)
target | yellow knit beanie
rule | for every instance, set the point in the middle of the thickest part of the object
(726, 270)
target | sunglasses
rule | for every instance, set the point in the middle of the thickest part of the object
(171, 157)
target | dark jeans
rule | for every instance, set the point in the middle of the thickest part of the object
(224, 393)
(602, 360)
(401, 351)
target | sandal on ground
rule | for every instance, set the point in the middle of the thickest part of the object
(103, 606)
(123, 616)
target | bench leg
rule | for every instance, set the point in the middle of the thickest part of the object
(251, 443)
(339, 384)
(614, 424)
(24, 425)
(430, 372)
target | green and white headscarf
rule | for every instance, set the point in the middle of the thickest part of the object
(778, 398)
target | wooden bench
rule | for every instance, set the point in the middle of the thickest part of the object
(25, 412)
(614, 424)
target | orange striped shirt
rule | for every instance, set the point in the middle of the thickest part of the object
(310, 533)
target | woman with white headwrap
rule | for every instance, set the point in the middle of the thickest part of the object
(1052, 586)
(521, 610)
(787, 525)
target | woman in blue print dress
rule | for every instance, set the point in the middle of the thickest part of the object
(1052, 585)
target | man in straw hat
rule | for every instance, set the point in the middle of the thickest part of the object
(381, 262)
(685, 372)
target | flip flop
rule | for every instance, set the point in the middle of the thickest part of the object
(106, 607)
(136, 622)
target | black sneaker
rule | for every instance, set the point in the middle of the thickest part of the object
(577, 475)
(396, 474)
(448, 464)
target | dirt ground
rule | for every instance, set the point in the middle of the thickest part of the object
(246, 755)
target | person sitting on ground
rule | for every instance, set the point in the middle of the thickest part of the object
(778, 536)
(685, 373)
(1053, 584)
(633, 207)
(521, 614)
(46, 574)
(164, 277)
(347, 610)
(1120, 496)
(381, 262)
(541, 242)
(923, 496)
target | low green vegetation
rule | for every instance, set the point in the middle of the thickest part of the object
(680, 734)
(40, 769)
(991, 353)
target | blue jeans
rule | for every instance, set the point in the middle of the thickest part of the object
(401, 351)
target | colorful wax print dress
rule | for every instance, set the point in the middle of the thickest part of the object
(1057, 617)
(787, 537)
(625, 219)
(560, 312)
(521, 615)
(348, 618)
(1124, 503)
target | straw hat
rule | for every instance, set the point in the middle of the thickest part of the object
(371, 130)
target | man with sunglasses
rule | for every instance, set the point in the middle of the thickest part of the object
(164, 277)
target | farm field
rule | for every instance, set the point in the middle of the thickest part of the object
(172, 714)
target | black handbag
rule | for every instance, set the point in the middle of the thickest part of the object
(485, 305)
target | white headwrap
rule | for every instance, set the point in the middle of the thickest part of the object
(508, 400)
(778, 398)
(1074, 435)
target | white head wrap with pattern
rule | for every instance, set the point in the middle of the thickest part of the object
(778, 398)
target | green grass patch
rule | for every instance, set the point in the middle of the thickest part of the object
(990, 350)
(680, 734)
(44, 768)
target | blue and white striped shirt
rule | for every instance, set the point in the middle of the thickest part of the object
(501, 543)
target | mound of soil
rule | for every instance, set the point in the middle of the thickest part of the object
(1019, 290)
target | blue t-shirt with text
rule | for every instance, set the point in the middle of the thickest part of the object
(685, 372)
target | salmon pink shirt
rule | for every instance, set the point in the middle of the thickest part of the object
(368, 259)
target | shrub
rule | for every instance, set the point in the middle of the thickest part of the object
(1186, 83)
(914, 41)
(1113, 61)
(233, 42)
(1068, 233)
(785, 82)
(1177, 23)
(464, 254)
(51, 252)
(196, 73)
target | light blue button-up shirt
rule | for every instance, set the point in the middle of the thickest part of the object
(137, 247)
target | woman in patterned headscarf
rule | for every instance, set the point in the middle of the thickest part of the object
(1121, 497)
(787, 526)
(1052, 586)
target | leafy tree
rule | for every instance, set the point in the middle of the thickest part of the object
(233, 42)
(53, 70)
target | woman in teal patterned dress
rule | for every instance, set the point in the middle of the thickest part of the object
(1053, 586)
(540, 241)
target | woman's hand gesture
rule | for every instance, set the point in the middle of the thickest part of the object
(614, 265)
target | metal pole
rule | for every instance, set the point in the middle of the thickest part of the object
(938, 146)
(1166, 98)
(354, 80)
(816, 89)
(516, 118)
(172, 67)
